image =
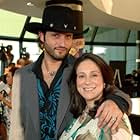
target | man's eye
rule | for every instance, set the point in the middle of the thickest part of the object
(69, 36)
(56, 35)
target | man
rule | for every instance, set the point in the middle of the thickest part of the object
(78, 39)
(40, 90)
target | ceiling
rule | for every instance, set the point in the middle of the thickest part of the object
(93, 14)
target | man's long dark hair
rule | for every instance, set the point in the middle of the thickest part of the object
(78, 103)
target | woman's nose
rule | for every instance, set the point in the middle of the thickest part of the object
(88, 80)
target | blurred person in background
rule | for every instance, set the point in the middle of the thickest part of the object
(9, 55)
(3, 133)
(6, 70)
(6, 99)
(21, 62)
(27, 58)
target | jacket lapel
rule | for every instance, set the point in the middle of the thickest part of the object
(64, 99)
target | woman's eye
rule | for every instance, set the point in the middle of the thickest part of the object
(80, 76)
(94, 75)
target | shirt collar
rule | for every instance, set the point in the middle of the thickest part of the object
(37, 66)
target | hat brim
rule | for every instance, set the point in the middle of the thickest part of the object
(35, 27)
(86, 30)
(80, 35)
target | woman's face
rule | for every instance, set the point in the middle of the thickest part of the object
(89, 81)
(9, 78)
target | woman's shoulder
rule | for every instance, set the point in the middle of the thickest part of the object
(125, 123)
(124, 129)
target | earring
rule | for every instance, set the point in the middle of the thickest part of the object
(104, 85)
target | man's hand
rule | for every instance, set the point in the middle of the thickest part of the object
(109, 115)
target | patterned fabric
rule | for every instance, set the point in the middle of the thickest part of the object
(88, 130)
(6, 115)
(48, 110)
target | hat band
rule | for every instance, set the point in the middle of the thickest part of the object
(70, 5)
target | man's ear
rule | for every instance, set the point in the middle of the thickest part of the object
(41, 36)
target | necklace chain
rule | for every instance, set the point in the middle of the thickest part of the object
(52, 73)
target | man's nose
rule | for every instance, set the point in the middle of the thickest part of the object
(62, 41)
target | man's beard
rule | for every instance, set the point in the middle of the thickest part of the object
(51, 52)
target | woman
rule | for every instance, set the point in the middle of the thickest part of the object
(91, 80)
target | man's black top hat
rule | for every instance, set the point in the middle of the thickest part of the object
(55, 18)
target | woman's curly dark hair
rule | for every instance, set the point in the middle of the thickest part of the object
(78, 103)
